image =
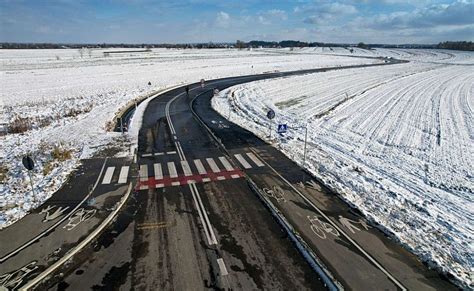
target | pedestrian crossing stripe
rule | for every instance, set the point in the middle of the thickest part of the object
(208, 169)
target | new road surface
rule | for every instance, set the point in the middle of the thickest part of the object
(213, 207)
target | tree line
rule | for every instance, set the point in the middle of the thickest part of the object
(453, 45)
(457, 45)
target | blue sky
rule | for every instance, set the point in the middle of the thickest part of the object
(146, 21)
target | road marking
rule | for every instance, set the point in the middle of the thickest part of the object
(31, 241)
(220, 178)
(226, 164)
(242, 161)
(213, 165)
(255, 159)
(186, 168)
(175, 183)
(108, 175)
(367, 255)
(158, 171)
(159, 154)
(147, 155)
(235, 176)
(206, 179)
(161, 185)
(171, 153)
(180, 151)
(143, 172)
(172, 170)
(152, 225)
(81, 245)
(200, 167)
(212, 236)
(123, 175)
(222, 267)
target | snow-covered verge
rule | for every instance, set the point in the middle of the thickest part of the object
(396, 142)
(65, 100)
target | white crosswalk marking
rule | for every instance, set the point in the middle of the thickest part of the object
(172, 170)
(123, 175)
(226, 164)
(143, 172)
(255, 159)
(108, 175)
(199, 167)
(186, 168)
(158, 171)
(242, 161)
(235, 176)
(213, 165)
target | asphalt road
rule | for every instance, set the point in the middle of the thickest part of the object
(215, 211)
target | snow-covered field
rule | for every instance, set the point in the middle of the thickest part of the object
(69, 99)
(397, 142)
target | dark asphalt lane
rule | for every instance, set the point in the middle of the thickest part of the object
(42, 237)
(181, 231)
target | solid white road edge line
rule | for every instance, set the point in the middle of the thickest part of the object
(367, 255)
(81, 245)
(211, 231)
(206, 232)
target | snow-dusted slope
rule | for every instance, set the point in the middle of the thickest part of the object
(397, 142)
(70, 99)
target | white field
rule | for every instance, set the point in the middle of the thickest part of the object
(399, 146)
(44, 85)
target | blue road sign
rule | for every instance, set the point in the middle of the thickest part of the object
(282, 128)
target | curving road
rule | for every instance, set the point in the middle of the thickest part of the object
(217, 208)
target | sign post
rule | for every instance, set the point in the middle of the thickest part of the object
(270, 115)
(305, 140)
(29, 165)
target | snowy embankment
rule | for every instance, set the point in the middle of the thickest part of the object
(396, 142)
(63, 101)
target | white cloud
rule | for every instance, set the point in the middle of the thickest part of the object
(223, 19)
(277, 13)
(324, 13)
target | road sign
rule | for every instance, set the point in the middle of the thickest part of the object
(28, 163)
(282, 128)
(271, 114)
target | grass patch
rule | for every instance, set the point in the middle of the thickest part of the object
(60, 154)
(3, 174)
(19, 125)
(290, 102)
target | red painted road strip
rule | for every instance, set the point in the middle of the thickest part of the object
(167, 181)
